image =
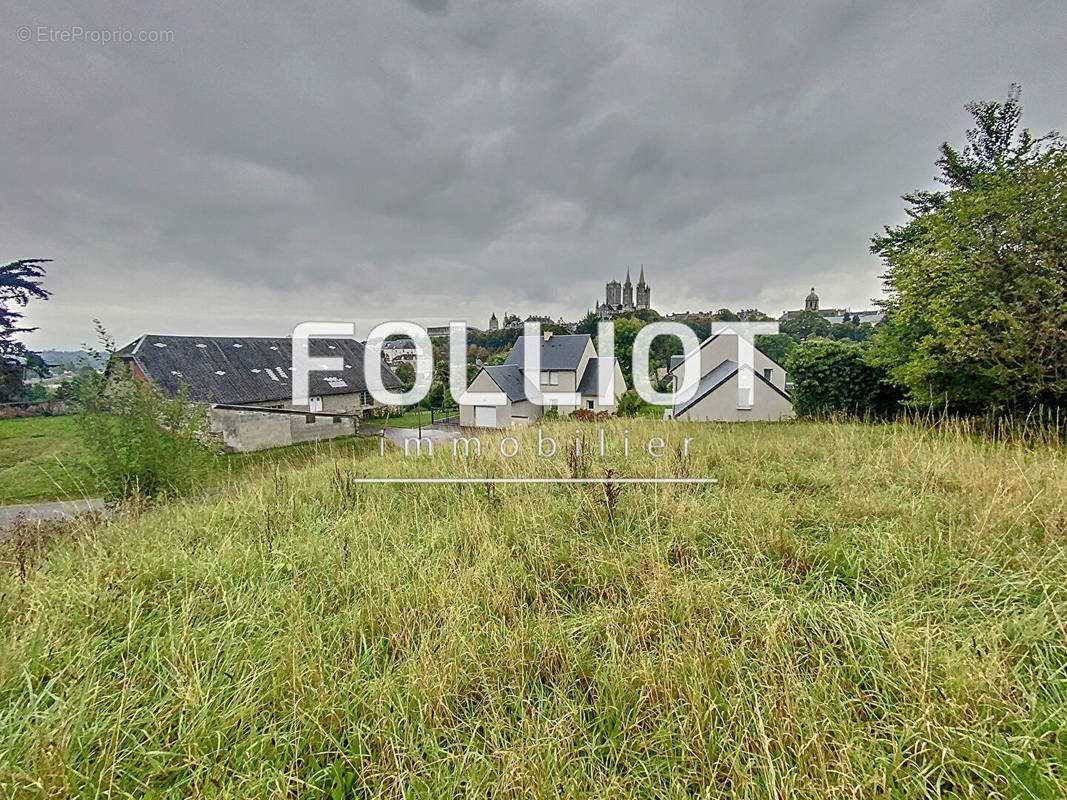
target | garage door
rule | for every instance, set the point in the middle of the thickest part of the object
(485, 416)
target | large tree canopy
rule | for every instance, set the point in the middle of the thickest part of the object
(20, 282)
(977, 280)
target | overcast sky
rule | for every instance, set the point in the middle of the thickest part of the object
(438, 159)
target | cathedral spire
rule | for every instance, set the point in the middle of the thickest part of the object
(641, 280)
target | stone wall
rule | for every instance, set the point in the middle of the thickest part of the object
(244, 431)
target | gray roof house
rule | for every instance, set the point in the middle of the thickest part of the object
(568, 365)
(248, 384)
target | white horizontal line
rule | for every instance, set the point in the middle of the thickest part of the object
(535, 480)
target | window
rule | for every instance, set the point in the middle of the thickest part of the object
(550, 379)
(767, 374)
(315, 403)
(589, 404)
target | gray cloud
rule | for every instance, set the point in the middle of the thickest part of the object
(429, 159)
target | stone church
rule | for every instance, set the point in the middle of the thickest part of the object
(619, 297)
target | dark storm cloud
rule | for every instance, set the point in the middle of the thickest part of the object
(427, 159)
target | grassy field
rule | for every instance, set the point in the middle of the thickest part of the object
(854, 611)
(412, 419)
(42, 458)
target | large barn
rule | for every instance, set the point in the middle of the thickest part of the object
(248, 384)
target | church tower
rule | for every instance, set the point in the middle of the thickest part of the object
(493, 324)
(811, 302)
(643, 292)
(628, 292)
(613, 294)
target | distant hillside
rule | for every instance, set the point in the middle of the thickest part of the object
(73, 360)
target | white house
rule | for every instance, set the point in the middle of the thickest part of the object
(568, 364)
(717, 398)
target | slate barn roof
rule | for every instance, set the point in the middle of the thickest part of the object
(245, 369)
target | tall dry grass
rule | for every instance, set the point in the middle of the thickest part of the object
(855, 611)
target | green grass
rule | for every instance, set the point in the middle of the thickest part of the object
(411, 419)
(42, 458)
(855, 611)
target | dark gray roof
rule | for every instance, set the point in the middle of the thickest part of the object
(509, 378)
(245, 369)
(675, 361)
(716, 378)
(589, 384)
(399, 344)
(561, 352)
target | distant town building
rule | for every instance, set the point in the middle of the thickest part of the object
(493, 323)
(399, 350)
(811, 306)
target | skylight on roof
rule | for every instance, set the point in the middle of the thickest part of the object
(238, 344)
(201, 346)
(220, 372)
(335, 382)
(160, 344)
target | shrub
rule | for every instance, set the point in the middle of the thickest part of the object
(835, 377)
(144, 444)
(630, 403)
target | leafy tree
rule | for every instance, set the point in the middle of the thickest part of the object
(20, 282)
(725, 315)
(776, 346)
(626, 329)
(804, 325)
(836, 377)
(853, 331)
(588, 324)
(406, 373)
(994, 145)
(977, 280)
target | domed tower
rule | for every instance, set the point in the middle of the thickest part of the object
(493, 323)
(811, 302)
(627, 292)
(643, 292)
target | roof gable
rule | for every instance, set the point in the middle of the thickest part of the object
(717, 378)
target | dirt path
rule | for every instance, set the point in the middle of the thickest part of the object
(52, 510)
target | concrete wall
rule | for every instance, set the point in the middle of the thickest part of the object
(245, 431)
(721, 405)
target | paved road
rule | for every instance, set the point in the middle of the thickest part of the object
(59, 508)
(444, 433)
